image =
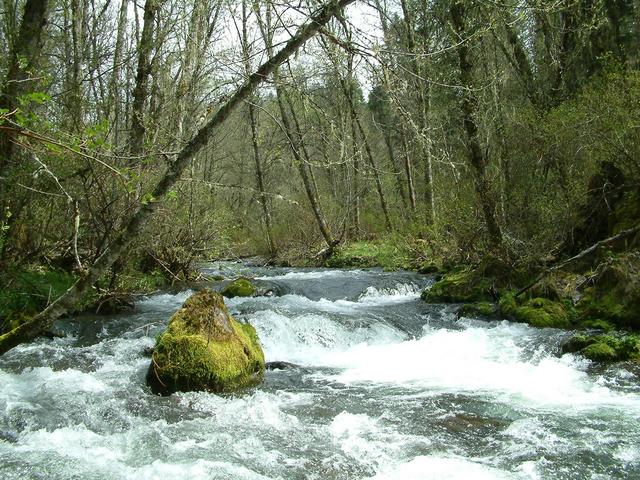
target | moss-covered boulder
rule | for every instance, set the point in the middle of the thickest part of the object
(241, 287)
(479, 309)
(463, 286)
(480, 283)
(614, 294)
(205, 348)
(605, 347)
(537, 312)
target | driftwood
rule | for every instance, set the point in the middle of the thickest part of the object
(607, 241)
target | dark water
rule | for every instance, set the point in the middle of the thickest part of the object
(389, 388)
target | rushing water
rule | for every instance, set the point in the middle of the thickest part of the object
(388, 388)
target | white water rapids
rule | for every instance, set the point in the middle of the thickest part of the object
(387, 387)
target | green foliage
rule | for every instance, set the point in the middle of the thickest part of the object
(136, 281)
(390, 253)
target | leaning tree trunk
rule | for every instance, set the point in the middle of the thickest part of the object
(469, 107)
(70, 298)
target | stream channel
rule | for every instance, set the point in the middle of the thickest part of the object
(388, 387)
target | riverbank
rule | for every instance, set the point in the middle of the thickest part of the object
(28, 290)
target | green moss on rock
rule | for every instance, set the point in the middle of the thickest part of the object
(478, 309)
(605, 348)
(537, 312)
(600, 352)
(205, 348)
(460, 287)
(615, 292)
(241, 287)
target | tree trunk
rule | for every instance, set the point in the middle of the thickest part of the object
(397, 172)
(253, 120)
(408, 168)
(70, 298)
(113, 105)
(301, 158)
(469, 107)
(294, 136)
(77, 41)
(372, 163)
(141, 89)
(27, 46)
(423, 117)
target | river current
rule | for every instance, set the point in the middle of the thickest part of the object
(388, 387)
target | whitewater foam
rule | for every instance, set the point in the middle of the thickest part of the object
(312, 339)
(371, 297)
(488, 361)
(442, 468)
(312, 275)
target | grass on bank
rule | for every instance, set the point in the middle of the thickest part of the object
(30, 290)
(389, 253)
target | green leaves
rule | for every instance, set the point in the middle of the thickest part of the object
(33, 97)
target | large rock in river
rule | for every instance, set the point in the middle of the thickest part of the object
(241, 287)
(205, 348)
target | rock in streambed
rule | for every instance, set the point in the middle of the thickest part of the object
(205, 348)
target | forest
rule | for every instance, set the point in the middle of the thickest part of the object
(138, 140)
(479, 155)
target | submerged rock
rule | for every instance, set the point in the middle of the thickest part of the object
(205, 348)
(8, 436)
(280, 365)
(242, 287)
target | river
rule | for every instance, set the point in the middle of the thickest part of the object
(387, 387)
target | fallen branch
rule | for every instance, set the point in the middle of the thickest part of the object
(582, 254)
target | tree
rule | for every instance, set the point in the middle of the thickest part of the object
(60, 306)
